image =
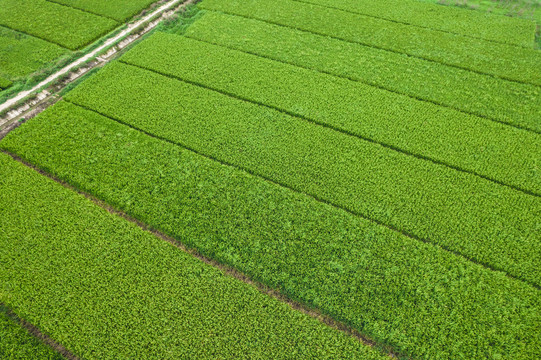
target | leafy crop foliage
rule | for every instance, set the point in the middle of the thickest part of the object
(479, 145)
(486, 221)
(61, 25)
(414, 296)
(15, 342)
(501, 60)
(483, 95)
(21, 54)
(118, 10)
(476, 24)
(4, 83)
(105, 289)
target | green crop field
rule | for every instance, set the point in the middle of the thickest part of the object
(282, 179)
(36, 34)
(117, 10)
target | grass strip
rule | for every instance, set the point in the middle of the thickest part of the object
(481, 25)
(120, 11)
(108, 290)
(413, 296)
(64, 26)
(482, 95)
(500, 60)
(481, 146)
(21, 54)
(15, 341)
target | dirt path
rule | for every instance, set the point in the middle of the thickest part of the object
(110, 42)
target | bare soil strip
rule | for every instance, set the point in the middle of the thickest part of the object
(228, 271)
(32, 329)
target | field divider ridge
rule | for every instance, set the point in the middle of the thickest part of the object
(315, 197)
(377, 47)
(516, 126)
(226, 269)
(343, 131)
(35, 332)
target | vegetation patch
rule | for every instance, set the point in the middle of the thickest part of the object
(483, 95)
(500, 60)
(120, 292)
(413, 296)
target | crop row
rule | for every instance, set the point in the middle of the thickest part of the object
(482, 146)
(501, 60)
(477, 24)
(505, 101)
(105, 289)
(61, 25)
(416, 297)
(16, 343)
(118, 10)
(485, 221)
(21, 54)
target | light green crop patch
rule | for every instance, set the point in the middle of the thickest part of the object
(118, 10)
(474, 144)
(105, 289)
(21, 54)
(502, 29)
(415, 297)
(509, 102)
(61, 25)
(501, 60)
(17, 344)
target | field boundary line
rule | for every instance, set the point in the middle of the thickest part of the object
(377, 47)
(419, 26)
(345, 132)
(314, 313)
(94, 53)
(83, 10)
(519, 127)
(37, 333)
(315, 197)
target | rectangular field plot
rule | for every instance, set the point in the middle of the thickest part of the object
(72, 269)
(424, 129)
(21, 54)
(500, 60)
(482, 95)
(118, 10)
(477, 24)
(399, 291)
(61, 25)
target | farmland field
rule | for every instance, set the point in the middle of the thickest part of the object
(36, 34)
(284, 179)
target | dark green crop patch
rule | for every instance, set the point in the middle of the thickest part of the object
(413, 296)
